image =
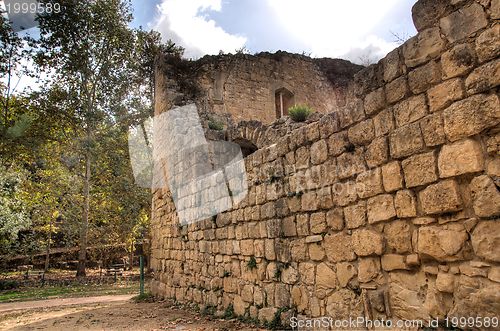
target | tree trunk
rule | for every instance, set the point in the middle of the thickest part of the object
(82, 255)
(47, 256)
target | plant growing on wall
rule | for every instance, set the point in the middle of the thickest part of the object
(299, 113)
(213, 124)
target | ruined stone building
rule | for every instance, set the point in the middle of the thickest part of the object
(385, 203)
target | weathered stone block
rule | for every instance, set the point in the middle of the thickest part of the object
(410, 110)
(338, 247)
(312, 132)
(464, 22)
(406, 140)
(362, 133)
(406, 204)
(486, 240)
(432, 127)
(247, 247)
(367, 242)
(423, 77)
(384, 122)
(420, 169)
(442, 197)
(442, 95)
(335, 219)
(318, 222)
(316, 252)
(487, 44)
(350, 164)
(424, 46)
(267, 314)
(460, 158)
(457, 61)
(398, 236)
(269, 251)
(484, 78)
(368, 269)
(396, 90)
(380, 208)
(319, 152)
(445, 282)
(442, 243)
(369, 183)
(309, 201)
(344, 193)
(337, 143)
(471, 116)
(328, 125)
(355, 215)
(426, 13)
(345, 272)
(391, 176)
(374, 101)
(302, 157)
(392, 65)
(393, 262)
(377, 152)
(486, 197)
(326, 280)
(495, 9)
(288, 226)
(352, 112)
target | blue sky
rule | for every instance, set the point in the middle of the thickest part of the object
(354, 29)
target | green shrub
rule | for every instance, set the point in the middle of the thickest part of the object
(213, 124)
(8, 284)
(252, 263)
(299, 113)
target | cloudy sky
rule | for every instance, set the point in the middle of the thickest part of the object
(353, 29)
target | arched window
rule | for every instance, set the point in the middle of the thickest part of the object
(284, 99)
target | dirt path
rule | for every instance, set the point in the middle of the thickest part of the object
(110, 313)
(24, 305)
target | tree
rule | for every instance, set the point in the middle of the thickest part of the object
(87, 46)
(13, 215)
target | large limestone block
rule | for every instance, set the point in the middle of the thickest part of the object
(484, 78)
(486, 196)
(367, 242)
(486, 240)
(460, 158)
(420, 169)
(441, 198)
(381, 208)
(462, 23)
(475, 296)
(471, 116)
(326, 280)
(338, 247)
(424, 46)
(446, 243)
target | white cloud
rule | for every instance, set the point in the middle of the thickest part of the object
(184, 23)
(336, 28)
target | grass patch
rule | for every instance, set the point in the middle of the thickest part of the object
(146, 297)
(40, 293)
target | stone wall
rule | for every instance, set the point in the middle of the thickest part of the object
(387, 207)
(243, 86)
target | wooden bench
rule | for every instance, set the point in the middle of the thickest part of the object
(115, 270)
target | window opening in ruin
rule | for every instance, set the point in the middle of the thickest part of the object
(247, 147)
(284, 99)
